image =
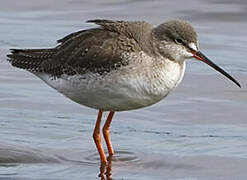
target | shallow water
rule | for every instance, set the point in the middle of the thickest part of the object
(198, 132)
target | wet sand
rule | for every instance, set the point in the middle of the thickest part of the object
(197, 132)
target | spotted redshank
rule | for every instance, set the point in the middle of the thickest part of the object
(117, 66)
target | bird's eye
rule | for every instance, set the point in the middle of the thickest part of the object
(179, 41)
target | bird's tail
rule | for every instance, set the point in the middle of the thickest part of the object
(29, 59)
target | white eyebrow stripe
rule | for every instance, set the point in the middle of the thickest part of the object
(193, 46)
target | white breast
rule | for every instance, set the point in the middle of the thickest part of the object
(131, 87)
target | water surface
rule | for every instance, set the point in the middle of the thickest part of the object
(198, 132)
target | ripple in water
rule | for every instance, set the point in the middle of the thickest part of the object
(12, 155)
(121, 156)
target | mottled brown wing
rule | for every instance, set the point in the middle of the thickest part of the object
(95, 50)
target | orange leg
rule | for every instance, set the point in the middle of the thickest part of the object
(106, 132)
(97, 138)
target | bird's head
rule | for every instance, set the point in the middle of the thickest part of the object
(177, 41)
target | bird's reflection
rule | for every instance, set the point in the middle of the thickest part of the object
(106, 169)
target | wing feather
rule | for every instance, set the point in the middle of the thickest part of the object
(99, 49)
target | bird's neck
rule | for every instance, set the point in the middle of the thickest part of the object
(169, 73)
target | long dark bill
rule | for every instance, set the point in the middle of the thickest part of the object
(198, 55)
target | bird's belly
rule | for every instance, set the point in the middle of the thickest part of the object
(106, 95)
(114, 92)
(113, 97)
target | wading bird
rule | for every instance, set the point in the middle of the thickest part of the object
(117, 66)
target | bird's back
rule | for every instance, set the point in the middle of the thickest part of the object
(93, 50)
